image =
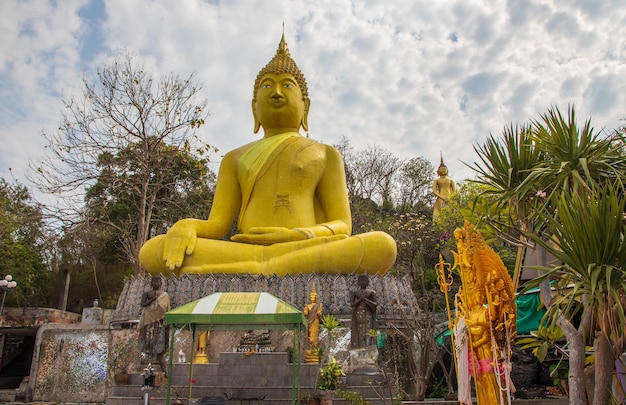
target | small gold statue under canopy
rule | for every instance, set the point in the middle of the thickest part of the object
(443, 188)
(485, 327)
(289, 193)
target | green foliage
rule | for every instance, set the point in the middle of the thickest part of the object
(414, 184)
(503, 202)
(129, 141)
(439, 389)
(564, 185)
(559, 372)
(23, 248)
(542, 340)
(353, 397)
(330, 372)
(417, 241)
(329, 375)
(330, 323)
(319, 351)
(306, 397)
(587, 237)
(574, 158)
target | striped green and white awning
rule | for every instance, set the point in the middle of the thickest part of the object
(239, 311)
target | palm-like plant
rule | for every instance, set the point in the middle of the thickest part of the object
(563, 163)
(504, 168)
(588, 239)
(573, 159)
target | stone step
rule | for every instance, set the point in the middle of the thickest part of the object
(336, 401)
(236, 391)
(198, 401)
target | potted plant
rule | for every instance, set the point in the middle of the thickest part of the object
(331, 371)
(328, 380)
(309, 399)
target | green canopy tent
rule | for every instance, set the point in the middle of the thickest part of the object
(237, 311)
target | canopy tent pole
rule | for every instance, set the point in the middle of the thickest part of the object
(261, 309)
(295, 381)
(193, 353)
(169, 365)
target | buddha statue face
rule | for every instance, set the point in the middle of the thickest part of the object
(156, 283)
(281, 97)
(279, 102)
(442, 171)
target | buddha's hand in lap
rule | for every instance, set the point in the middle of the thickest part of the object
(179, 241)
(273, 234)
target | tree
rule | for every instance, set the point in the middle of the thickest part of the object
(186, 190)
(415, 180)
(371, 173)
(91, 252)
(416, 240)
(123, 140)
(587, 237)
(530, 171)
(23, 247)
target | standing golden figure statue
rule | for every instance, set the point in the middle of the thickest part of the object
(201, 356)
(485, 326)
(289, 193)
(313, 313)
(443, 188)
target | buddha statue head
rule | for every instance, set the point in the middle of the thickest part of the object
(442, 170)
(313, 294)
(280, 97)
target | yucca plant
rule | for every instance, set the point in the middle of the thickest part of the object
(539, 171)
(588, 239)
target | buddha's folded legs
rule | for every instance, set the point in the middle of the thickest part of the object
(372, 253)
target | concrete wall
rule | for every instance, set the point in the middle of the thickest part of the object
(34, 316)
(72, 363)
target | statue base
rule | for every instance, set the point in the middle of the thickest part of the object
(396, 301)
(310, 357)
(201, 358)
(363, 360)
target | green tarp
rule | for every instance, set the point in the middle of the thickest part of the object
(530, 310)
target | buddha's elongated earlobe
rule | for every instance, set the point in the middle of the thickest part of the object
(257, 124)
(305, 114)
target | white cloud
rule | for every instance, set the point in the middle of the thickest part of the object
(415, 77)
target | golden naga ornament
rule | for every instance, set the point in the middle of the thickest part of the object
(485, 322)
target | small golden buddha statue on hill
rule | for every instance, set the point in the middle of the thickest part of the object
(289, 193)
(443, 188)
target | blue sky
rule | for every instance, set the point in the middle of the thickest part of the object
(415, 77)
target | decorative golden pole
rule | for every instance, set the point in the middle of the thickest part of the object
(444, 279)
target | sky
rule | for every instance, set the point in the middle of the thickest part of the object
(415, 77)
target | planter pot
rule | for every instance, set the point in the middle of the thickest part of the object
(121, 378)
(327, 397)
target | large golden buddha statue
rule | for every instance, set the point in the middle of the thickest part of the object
(290, 193)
